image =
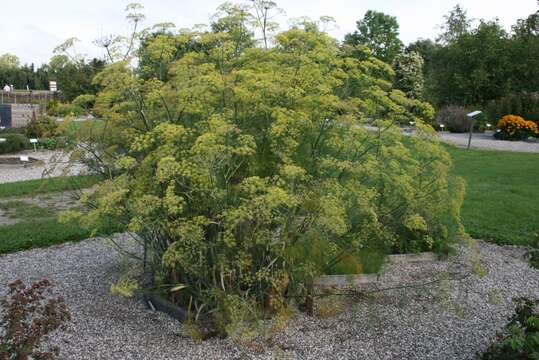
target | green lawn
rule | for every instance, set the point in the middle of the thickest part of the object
(502, 195)
(38, 226)
(38, 233)
(40, 186)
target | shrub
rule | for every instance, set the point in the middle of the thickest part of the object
(41, 127)
(523, 340)
(85, 102)
(248, 172)
(30, 314)
(523, 104)
(13, 143)
(55, 143)
(454, 118)
(512, 127)
(63, 110)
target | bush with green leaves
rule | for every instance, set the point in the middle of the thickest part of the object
(85, 101)
(522, 339)
(64, 110)
(249, 171)
(41, 126)
(13, 143)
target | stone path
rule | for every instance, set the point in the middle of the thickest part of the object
(53, 163)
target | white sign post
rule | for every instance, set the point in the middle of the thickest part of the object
(472, 116)
(53, 86)
(34, 142)
(3, 140)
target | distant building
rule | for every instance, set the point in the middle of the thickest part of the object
(17, 107)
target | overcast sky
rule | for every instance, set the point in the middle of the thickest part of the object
(32, 28)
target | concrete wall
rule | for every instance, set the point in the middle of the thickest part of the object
(21, 114)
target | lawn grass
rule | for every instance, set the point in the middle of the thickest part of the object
(41, 186)
(38, 226)
(41, 233)
(502, 195)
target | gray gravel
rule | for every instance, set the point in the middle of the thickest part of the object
(449, 320)
(488, 142)
(53, 163)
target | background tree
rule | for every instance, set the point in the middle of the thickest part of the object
(474, 68)
(409, 74)
(380, 32)
(456, 24)
(9, 62)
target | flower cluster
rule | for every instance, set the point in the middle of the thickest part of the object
(513, 127)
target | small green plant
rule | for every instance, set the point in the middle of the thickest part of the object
(125, 287)
(522, 341)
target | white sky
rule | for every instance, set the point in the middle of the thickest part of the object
(32, 28)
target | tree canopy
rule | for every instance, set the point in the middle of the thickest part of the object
(380, 32)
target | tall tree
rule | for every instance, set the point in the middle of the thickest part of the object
(456, 24)
(380, 32)
(475, 68)
(9, 62)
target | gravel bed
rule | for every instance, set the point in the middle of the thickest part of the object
(488, 142)
(449, 320)
(53, 163)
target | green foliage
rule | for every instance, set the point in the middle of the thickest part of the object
(524, 104)
(247, 158)
(473, 69)
(474, 66)
(409, 74)
(41, 127)
(523, 340)
(13, 143)
(85, 101)
(63, 110)
(380, 32)
(456, 24)
(73, 76)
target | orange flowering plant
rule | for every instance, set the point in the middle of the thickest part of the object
(513, 127)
